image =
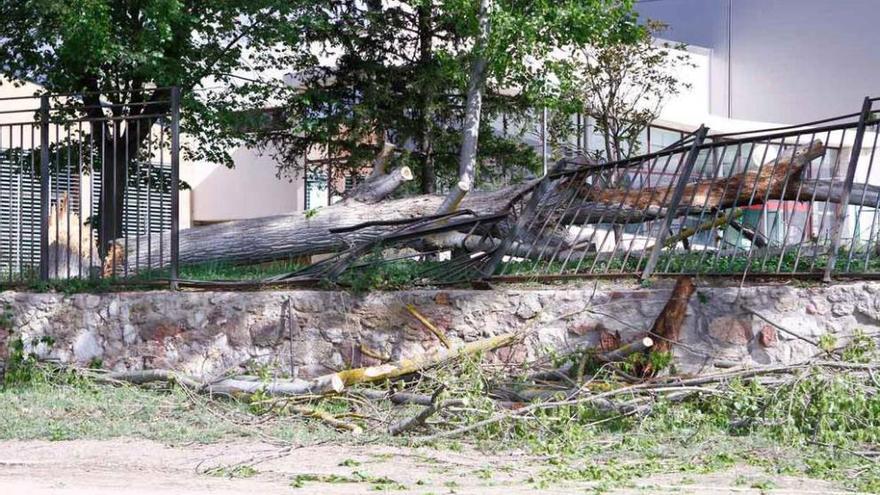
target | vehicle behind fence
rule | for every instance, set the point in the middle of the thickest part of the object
(88, 187)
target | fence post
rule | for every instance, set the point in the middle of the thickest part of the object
(175, 181)
(544, 141)
(44, 188)
(675, 201)
(842, 207)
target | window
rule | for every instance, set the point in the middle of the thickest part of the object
(316, 190)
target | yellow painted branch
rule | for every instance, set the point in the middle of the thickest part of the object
(424, 361)
(430, 326)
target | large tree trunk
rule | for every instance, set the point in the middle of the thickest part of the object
(426, 102)
(288, 236)
(334, 228)
(772, 180)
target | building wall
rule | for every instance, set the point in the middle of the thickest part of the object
(780, 60)
(250, 189)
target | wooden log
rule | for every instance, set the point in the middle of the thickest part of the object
(667, 326)
(321, 385)
(738, 189)
(712, 223)
(378, 188)
(233, 387)
(289, 236)
(621, 353)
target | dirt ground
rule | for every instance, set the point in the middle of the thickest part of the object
(134, 467)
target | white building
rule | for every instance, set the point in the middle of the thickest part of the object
(785, 61)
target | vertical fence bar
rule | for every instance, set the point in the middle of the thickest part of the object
(544, 141)
(175, 180)
(675, 201)
(841, 209)
(44, 188)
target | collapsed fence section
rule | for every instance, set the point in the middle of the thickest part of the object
(794, 201)
(88, 187)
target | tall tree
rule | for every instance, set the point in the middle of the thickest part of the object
(398, 71)
(623, 87)
(122, 55)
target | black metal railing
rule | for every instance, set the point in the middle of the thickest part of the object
(793, 201)
(89, 187)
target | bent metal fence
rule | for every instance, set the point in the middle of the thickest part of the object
(778, 202)
(88, 186)
(796, 201)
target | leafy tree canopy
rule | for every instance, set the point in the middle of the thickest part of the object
(366, 71)
(382, 71)
(123, 49)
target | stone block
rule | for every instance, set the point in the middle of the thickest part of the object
(736, 330)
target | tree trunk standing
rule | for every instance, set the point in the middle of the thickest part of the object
(426, 37)
(667, 327)
(117, 148)
(114, 170)
(467, 158)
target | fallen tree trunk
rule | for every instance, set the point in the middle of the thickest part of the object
(329, 229)
(772, 180)
(288, 236)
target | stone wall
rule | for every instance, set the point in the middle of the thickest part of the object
(310, 332)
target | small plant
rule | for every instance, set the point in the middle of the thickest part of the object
(827, 342)
(861, 349)
(240, 471)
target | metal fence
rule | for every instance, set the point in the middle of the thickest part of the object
(88, 186)
(796, 201)
(765, 203)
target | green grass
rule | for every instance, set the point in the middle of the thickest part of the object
(814, 429)
(68, 408)
(231, 271)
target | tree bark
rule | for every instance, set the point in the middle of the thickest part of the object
(302, 234)
(470, 133)
(423, 131)
(738, 189)
(375, 189)
(342, 225)
(667, 326)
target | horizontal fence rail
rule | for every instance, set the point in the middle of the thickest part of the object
(88, 188)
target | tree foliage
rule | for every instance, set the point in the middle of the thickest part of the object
(122, 50)
(383, 71)
(623, 87)
(364, 72)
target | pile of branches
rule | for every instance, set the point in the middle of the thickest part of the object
(452, 392)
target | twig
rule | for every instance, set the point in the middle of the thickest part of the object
(783, 329)
(420, 418)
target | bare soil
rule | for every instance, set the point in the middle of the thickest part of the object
(134, 467)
